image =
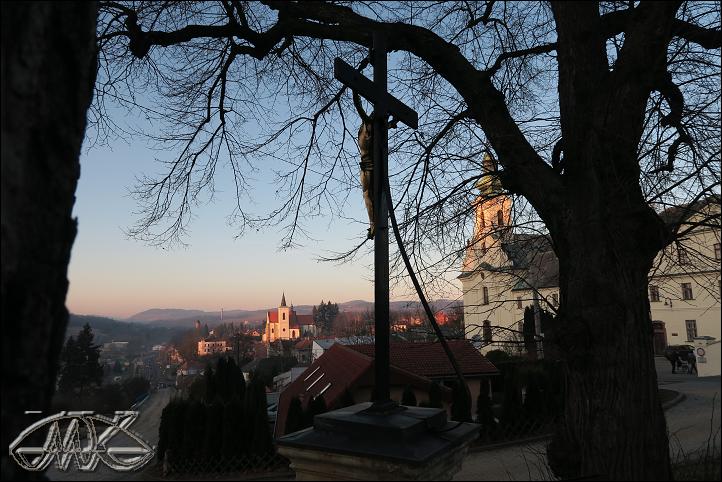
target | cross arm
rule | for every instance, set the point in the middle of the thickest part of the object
(370, 91)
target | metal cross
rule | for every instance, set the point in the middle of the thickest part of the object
(384, 105)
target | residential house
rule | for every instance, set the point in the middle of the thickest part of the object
(429, 360)
(302, 352)
(350, 367)
(321, 345)
(284, 379)
(211, 345)
(684, 284)
(340, 369)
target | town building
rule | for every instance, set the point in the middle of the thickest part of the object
(321, 345)
(349, 368)
(302, 352)
(282, 380)
(284, 323)
(115, 346)
(684, 284)
(339, 370)
(505, 271)
(209, 346)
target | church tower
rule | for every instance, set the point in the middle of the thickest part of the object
(284, 319)
(493, 207)
(492, 214)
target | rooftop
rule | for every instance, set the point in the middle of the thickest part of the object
(429, 359)
(338, 369)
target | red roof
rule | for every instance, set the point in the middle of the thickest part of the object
(338, 369)
(303, 319)
(303, 344)
(293, 322)
(429, 359)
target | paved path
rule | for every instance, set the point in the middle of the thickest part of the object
(691, 424)
(696, 420)
(146, 425)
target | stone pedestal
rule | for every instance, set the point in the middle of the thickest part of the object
(353, 443)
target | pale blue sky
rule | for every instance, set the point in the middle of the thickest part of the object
(115, 276)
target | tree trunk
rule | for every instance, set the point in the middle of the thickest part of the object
(48, 71)
(613, 425)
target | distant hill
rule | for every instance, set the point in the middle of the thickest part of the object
(173, 317)
(107, 329)
(167, 314)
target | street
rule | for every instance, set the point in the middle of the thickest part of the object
(692, 423)
(146, 426)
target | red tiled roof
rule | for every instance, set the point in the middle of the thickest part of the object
(293, 322)
(338, 369)
(303, 344)
(303, 319)
(429, 359)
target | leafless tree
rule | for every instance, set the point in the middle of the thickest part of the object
(598, 113)
(48, 59)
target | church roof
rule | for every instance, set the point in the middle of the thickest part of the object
(532, 258)
(301, 319)
(675, 216)
(524, 250)
(283, 300)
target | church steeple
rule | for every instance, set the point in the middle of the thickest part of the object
(489, 184)
(283, 299)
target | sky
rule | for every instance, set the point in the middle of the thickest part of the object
(115, 276)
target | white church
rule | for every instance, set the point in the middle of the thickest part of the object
(284, 324)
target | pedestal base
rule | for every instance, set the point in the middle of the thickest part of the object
(412, 443)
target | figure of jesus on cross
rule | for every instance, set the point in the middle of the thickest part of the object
(385, 105)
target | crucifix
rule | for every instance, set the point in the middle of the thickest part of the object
(384, 105)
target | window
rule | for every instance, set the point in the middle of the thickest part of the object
(487, 331)
(555, 299)
(717, 252)
(481, 218)
(687, 291)
(284, 330)
(486, 295)
(683, 256)
(653, 293)
(500, 218)
(518, 302)
(284, 316)
(691, 329)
